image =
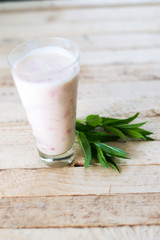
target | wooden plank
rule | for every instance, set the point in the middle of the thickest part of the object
(80, 211)
(114, 99)
(121, 90)
(126, 233)
(81, 15)
(117, 106)
(91, 42)
(88, 90)
(118, 73)
(104, 73)
(68, 181)
(118, 42)
(121, 56)
(119, 99)
(21, 131)
(137, 56)
(46, 5)
(55, 29)
(26, 156)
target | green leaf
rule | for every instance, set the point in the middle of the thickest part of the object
(94, 152)
(131, 126)
(93, 120)
(128, 120)
(85, 145)
(149, 138)
(113, 165)
(99, 136)
(115, 131)
(111, 151)
(108, 121)
(101, 158)
(116, 121)
(82, 127)
(133, 134)
(80, 120)
(143, 131)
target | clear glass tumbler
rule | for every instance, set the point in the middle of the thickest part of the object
(46, 73)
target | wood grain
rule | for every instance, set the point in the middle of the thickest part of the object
(90, 42)
(26, 156)
(127, 232)
(21, 131)
(109, 57)
(119, 73)
(104, 73)
(100, 21)
(80, 211)
(47, 5)
(113, 99)
(57, 29)
(68, 15)
(79, 181)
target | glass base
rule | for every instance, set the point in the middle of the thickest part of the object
(60, 160)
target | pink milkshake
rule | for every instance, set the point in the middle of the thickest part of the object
(46, 78)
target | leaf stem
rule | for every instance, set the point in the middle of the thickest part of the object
(80, 120)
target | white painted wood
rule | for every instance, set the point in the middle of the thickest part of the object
(109, 42)
(112, 57)
(94, 180)
(34, 5)
(58, 30)
(113, 99)
(126, 233)
(81, 15)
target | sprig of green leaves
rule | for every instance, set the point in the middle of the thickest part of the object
(95, 131)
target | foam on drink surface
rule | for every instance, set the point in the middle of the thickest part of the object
(46, 64)
(47, 79)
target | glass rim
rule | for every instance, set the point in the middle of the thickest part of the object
(12, 66)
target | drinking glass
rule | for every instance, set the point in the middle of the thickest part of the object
(49, 97)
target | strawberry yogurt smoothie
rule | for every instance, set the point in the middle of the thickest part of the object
(47, 78)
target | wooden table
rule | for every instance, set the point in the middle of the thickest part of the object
(120, 73)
